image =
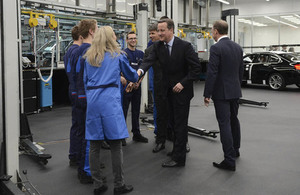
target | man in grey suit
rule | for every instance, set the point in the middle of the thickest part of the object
(223, 85)
(180, 67)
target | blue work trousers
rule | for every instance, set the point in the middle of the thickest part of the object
(81, 115)
(74, 149)
(133, 97)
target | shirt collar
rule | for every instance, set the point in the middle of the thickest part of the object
(224, 36)
(170, 43)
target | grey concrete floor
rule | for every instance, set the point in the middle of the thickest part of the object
(269, 162)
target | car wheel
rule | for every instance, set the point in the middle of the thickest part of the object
(276, 81)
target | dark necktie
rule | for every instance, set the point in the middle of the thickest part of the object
(167, 47)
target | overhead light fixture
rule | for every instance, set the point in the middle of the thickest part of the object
(297, 15)
(274, 20)
(251, 22)
(223, 1)
(292, 18)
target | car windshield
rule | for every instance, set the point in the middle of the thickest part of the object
(291, 57)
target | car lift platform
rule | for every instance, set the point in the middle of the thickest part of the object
(26, 143)
(244, 101)
(191, 129)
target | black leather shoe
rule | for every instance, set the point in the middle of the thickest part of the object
(122, 190)
(105, 145)
(237, 153)
(224, 166)
(100, 190)
(188, 149)
(139, 138)
(172, 163)
(158, 147)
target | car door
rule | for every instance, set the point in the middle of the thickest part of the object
(249, 60)
(262, 68)
(254, 68)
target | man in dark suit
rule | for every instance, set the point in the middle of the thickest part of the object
(160, 99)
(223, 85)
(180, 67)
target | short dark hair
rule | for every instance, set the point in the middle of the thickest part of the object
(170, 23)
(153, 27)
(75, 33)
(221, 26)
(163, 17)
(130, 33)
(85, 25)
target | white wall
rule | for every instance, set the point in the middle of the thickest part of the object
(258, 7)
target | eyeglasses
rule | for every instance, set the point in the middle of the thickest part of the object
(132, 39)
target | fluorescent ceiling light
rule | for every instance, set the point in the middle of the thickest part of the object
(291, 18)
(297, 15)
(223, 1)
(274, 20)
(250, 22)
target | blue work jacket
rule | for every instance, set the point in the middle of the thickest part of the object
(104, 117)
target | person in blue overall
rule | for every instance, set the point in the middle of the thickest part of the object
(70, 71)
(87, 28)
(135, 58)
(104, 117)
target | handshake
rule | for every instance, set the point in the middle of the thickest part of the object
(132, 85)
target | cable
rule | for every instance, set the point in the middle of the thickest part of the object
(51, 71)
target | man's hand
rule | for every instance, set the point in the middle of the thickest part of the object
(139, 72)
(123, 81)
(206, 101)
(129, 87)
(136, 85)
(178, 88)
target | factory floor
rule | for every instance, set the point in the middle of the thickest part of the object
(269, 161)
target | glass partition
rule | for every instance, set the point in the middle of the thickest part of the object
(269, 33)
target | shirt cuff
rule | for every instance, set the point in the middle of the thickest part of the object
(141, 71)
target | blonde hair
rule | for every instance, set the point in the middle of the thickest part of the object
(104, 41)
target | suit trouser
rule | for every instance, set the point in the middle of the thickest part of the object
(230, 134)
(74, 149)
(116, 159)
(134, 98)
(154, 112)
(161, 103)
(180, 112)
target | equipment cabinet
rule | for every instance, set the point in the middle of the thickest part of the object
(30, 92)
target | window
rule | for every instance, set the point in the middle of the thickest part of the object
(249, 58)
(274, 59)
(263, 58)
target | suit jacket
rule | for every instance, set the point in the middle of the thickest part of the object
(157, 76)
(224, 71)
(181, 66)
